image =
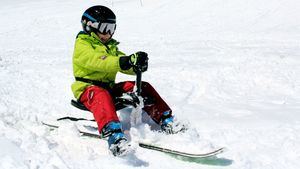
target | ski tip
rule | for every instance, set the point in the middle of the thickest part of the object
(225, 149)
(222, 150)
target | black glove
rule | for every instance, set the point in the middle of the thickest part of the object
(138, 61)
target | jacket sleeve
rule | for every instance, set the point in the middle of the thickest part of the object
(128, 72)
(97, 59)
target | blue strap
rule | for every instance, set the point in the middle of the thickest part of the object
(90, 17)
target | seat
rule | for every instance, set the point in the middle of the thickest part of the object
(78, 105)
(120, 103)
(81, 106)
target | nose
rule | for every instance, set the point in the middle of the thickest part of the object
(107, 35)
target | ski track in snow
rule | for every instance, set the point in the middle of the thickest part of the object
(230, 68)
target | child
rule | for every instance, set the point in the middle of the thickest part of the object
(96, 61)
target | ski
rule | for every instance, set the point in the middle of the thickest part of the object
(74, 119)
(87, 133)
(83, 133)
(180, 153)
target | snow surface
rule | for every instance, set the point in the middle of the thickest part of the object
(231, 68)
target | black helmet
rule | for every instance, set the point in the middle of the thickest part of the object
(99, 19)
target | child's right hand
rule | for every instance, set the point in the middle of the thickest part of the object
(138, 60)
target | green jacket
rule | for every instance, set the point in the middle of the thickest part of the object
(95, 61)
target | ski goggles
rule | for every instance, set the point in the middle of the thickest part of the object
(105, 28)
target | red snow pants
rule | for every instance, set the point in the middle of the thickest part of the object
(100, 102)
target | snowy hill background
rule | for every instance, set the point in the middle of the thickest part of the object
(231, 68)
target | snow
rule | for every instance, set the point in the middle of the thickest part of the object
(231, 68)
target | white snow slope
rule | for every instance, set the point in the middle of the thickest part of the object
(229, 67)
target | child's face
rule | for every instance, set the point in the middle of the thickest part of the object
(104, 37)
